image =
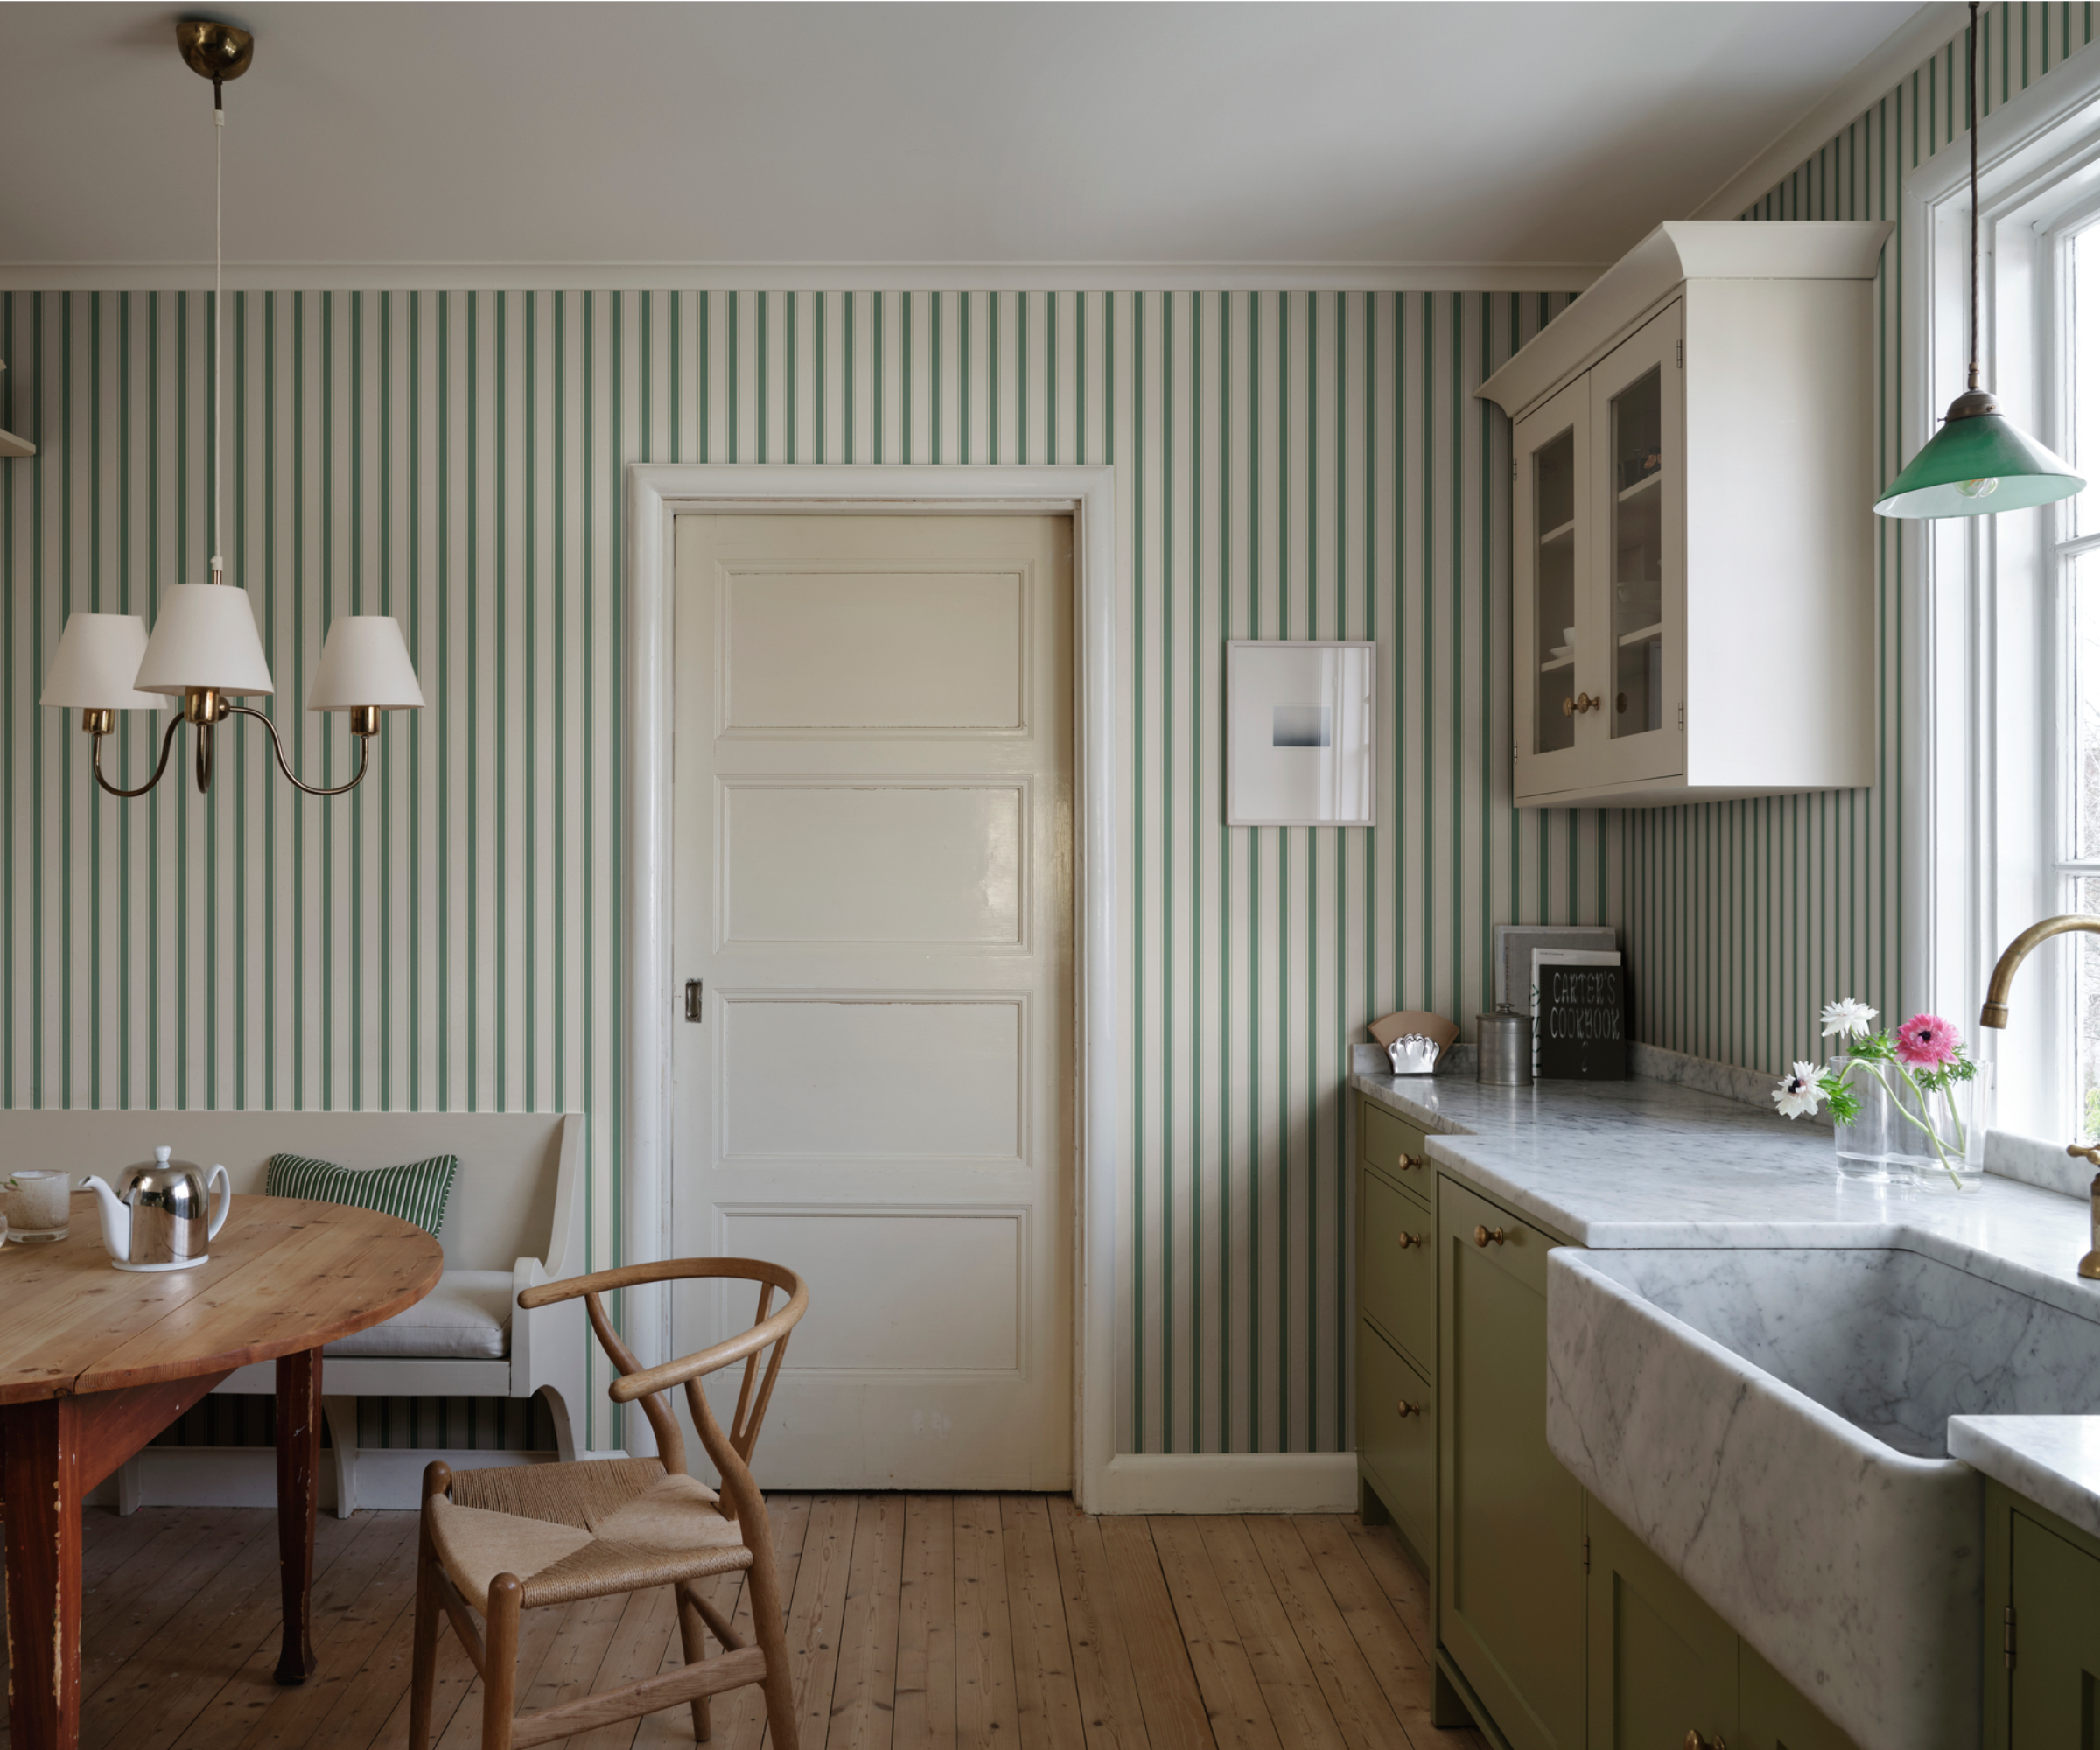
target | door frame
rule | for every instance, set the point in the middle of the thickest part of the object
(658, 491)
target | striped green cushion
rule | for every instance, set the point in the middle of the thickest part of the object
(415, 1193)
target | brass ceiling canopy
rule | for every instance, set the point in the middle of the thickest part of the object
(214, 50)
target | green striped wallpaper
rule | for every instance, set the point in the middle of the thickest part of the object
(1299, 466)
(1742, 918)
(1292, 466)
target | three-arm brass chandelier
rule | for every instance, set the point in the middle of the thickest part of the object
(205, 650)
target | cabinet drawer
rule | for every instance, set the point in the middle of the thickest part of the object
(1393, 1145)
(1397, 1447)
(1397, 1275)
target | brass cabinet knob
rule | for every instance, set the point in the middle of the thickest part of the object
(1407, 1409)
(1567, 707)
(1581, 702)
(1408, 1239)
(1407, 1162)
(1694, 1741)
(1484, 1236)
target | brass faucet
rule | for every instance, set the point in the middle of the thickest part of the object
(1996, 1015)
(1995, 1012)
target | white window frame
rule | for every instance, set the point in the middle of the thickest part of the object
(1982, 707)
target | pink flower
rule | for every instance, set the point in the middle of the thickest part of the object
(1927, 1042)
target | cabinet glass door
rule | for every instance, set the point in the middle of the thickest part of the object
(1636, 553)
(1558, 680)
(1637, 418)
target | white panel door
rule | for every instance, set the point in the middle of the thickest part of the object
(873, 842)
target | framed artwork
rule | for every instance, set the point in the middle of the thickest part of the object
(1299, 732)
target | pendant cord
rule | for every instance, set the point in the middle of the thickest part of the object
(218, 311)
(1975, 351)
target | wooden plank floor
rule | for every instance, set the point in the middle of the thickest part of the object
(913, 1620)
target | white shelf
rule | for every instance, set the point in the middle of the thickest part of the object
(1559, 662)
(12, 445)
(1641, 634)
(1553, 534)
(1647, 483)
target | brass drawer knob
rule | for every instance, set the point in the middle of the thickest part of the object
(1408, 1239)
(1408, 1162)
(1407, 1409)
(1484, 1236)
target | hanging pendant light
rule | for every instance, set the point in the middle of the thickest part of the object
(1980, 461)
(205, 650)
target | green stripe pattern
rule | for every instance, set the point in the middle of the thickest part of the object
(1289, 466)
(1742, 918)
(447, 937)
(417, 1192)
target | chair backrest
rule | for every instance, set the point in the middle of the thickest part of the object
(519, 1194)
(765, 1341)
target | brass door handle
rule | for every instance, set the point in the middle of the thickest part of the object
(1484, 1236)
(1407, 1409)
(1694, 1741)
(1408, 1239)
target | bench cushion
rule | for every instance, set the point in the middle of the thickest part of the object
(415, 1192)
(467, 1315)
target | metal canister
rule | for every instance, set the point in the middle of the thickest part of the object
(1505, 1048)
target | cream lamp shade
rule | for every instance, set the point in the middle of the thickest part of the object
(364, 662)
(204, 637)
(96, 664)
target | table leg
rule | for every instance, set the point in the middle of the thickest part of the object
(299, 1494)
(40, 1479)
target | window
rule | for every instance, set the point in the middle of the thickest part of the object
(2072, 558)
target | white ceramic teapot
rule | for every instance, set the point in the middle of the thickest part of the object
(160, 1221)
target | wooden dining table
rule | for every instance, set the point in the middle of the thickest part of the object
(95, 1361)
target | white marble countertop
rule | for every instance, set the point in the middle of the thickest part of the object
(1639, 1163)
(2053, 1460)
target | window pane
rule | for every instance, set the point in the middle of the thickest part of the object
(2086, 987)
(2081, 302)
(2084, 573)
(1638, 467)
(1553, 483)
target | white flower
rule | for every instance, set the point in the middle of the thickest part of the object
(1801, 1092)
(1851, 1018)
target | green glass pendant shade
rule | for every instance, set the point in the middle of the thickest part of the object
(1978, 462)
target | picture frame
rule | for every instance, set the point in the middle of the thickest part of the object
(1301, 733)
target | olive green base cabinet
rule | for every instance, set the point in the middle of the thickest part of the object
(1509, 1582)
(1397, 1331)
(2042, 1604)
(1557, 1629)
(1663, 1666)
(1665, 1671)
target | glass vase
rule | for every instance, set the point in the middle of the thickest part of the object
(1863, 1143)
(1935, 1138)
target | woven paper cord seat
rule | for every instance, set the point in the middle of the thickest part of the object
(503, 1541)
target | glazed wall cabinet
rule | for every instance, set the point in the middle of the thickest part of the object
(1692, 553)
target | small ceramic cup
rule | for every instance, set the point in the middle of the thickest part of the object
(39, 1207)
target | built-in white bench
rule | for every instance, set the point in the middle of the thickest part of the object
(515, 1218)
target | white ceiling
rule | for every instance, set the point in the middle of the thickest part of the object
(563, 133)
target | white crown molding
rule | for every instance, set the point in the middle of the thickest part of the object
(1925, 32)
(803, 276)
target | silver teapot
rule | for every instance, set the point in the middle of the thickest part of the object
(163, 1220)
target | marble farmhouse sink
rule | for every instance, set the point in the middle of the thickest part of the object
(1772, 1423)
